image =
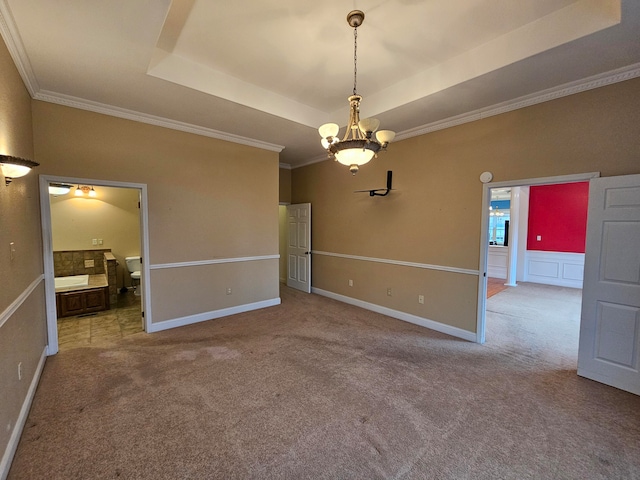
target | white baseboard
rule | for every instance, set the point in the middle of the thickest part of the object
(203, 317)
(407, 317)
(10, 451)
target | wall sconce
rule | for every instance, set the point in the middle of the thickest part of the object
(59, 188)
(15, 167)
(83, 190)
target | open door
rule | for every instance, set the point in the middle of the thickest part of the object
(299, 246)
(609, 349)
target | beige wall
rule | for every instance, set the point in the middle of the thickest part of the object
(113, 216)
(434, 215)
(23, 331)
(208, 199)
(282, 224)
(285, 185)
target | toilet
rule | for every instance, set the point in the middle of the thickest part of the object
(134, 267)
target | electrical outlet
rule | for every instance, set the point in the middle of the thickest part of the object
(229, 291)
(100, 242)
(94, 241)
(389, 292)
(350, 283)
(421, 299)
(20, 371)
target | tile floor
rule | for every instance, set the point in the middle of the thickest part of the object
(101, 327)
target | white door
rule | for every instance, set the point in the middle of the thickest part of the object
(609, 349)
(299, 246)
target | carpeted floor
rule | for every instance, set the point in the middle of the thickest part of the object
(318, 389)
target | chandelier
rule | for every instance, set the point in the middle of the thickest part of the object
(358, 145)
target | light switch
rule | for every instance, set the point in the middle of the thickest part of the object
(94, 241)
(100, 242)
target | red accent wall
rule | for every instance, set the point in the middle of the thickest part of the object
(558, 213)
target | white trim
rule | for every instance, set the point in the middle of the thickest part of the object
(406, 317)
(589, 83)
(12, 445)
(203, 317)
(11, 309)
(497, 262)
(484, 239)
(527, 182)
(13, 40)
(554, 268)
(284, 166)
(47, 248)
(197, 263)
(427, 266)
(90, 105)
(311, 161)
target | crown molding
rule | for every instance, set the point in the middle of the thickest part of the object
(13, 40)
(83, 104)
(285, 166)
(311, 161)
(589, 83)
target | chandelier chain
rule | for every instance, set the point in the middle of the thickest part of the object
(355, 59)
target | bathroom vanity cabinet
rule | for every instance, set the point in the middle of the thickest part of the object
(82, 301)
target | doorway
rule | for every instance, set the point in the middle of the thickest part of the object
(514, 256)
(90, 227)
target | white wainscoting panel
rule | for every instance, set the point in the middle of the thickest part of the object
(497, 261)
(554, 268)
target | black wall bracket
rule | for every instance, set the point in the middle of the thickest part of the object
(377, 192)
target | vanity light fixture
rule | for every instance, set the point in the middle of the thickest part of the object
(15, 167)
(358, 145)
(83, 190)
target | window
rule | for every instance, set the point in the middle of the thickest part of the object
(499, 216)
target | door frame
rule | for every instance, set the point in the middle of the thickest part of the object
(484, 237)
(47, 250)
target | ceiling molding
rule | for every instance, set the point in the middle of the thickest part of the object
(285, 166)
(589, 83)
(83, 104)
(12, 39)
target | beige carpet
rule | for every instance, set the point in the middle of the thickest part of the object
(319, 389)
